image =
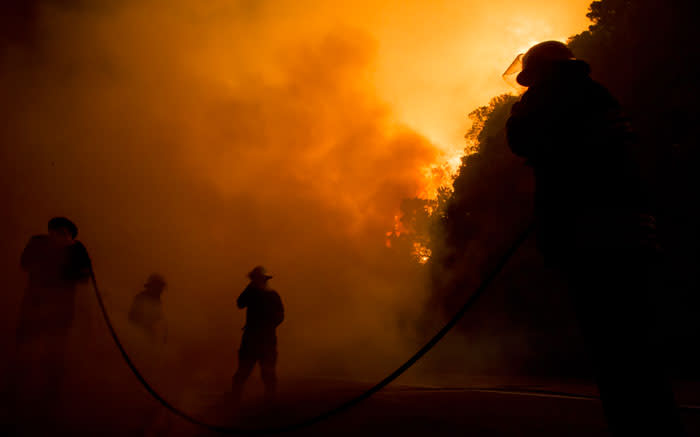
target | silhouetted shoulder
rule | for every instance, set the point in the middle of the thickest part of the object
(79, 265)
(245, 296)
(603, 94)
(560, 116)
(38, 241)
(38, 238)
(274, 296)
(80, 252)
(276, 307)
(33, 250)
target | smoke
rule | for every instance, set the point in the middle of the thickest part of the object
(183, 141)
(198, 139)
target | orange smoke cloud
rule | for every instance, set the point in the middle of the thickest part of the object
(198, 139)
(169, 166)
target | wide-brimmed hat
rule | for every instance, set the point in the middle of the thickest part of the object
(539, 55)
(259, 272)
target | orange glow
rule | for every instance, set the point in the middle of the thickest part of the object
(421, 253)
(200, 138)
(431, 64)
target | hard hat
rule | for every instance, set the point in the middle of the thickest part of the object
(63, 223)
(539, 56)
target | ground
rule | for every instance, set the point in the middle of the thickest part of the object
(532, 409)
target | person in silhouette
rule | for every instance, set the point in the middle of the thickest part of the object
(149, 347)
(591, 230)
(146, 311)
(264, 312)
(55, 263)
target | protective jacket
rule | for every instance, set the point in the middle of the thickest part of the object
(146, 312)
(53, 270)
(264, 313)
(573, 134)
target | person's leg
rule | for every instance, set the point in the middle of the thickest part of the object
(31, 412)
(55, 367)
(645, 400)
(636, 394)
(617, 321)
(245, 368)
(268, 372)
(20, 390)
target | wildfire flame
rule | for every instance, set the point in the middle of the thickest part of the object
(433, 177)
(395, 232)
(421, 252)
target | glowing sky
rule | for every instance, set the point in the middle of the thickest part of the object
(435, 61)
(435, 67)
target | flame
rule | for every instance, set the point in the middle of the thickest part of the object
(441, 174)
(395, 231)
(421, 253)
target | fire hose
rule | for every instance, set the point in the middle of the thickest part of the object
(488, 279)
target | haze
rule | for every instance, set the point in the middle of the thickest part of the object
(199, 139)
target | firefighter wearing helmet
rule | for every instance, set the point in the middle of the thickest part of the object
(591, 226)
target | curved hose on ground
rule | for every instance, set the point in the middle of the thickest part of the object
(345, 405)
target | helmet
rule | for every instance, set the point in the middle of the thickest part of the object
(57, 223)
(539, 56)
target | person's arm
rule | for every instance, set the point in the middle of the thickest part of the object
(161, 330)
(521, 129)
(279, 310)
(81, 266)
(532, 122)
(28, 258)
(244, 298)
